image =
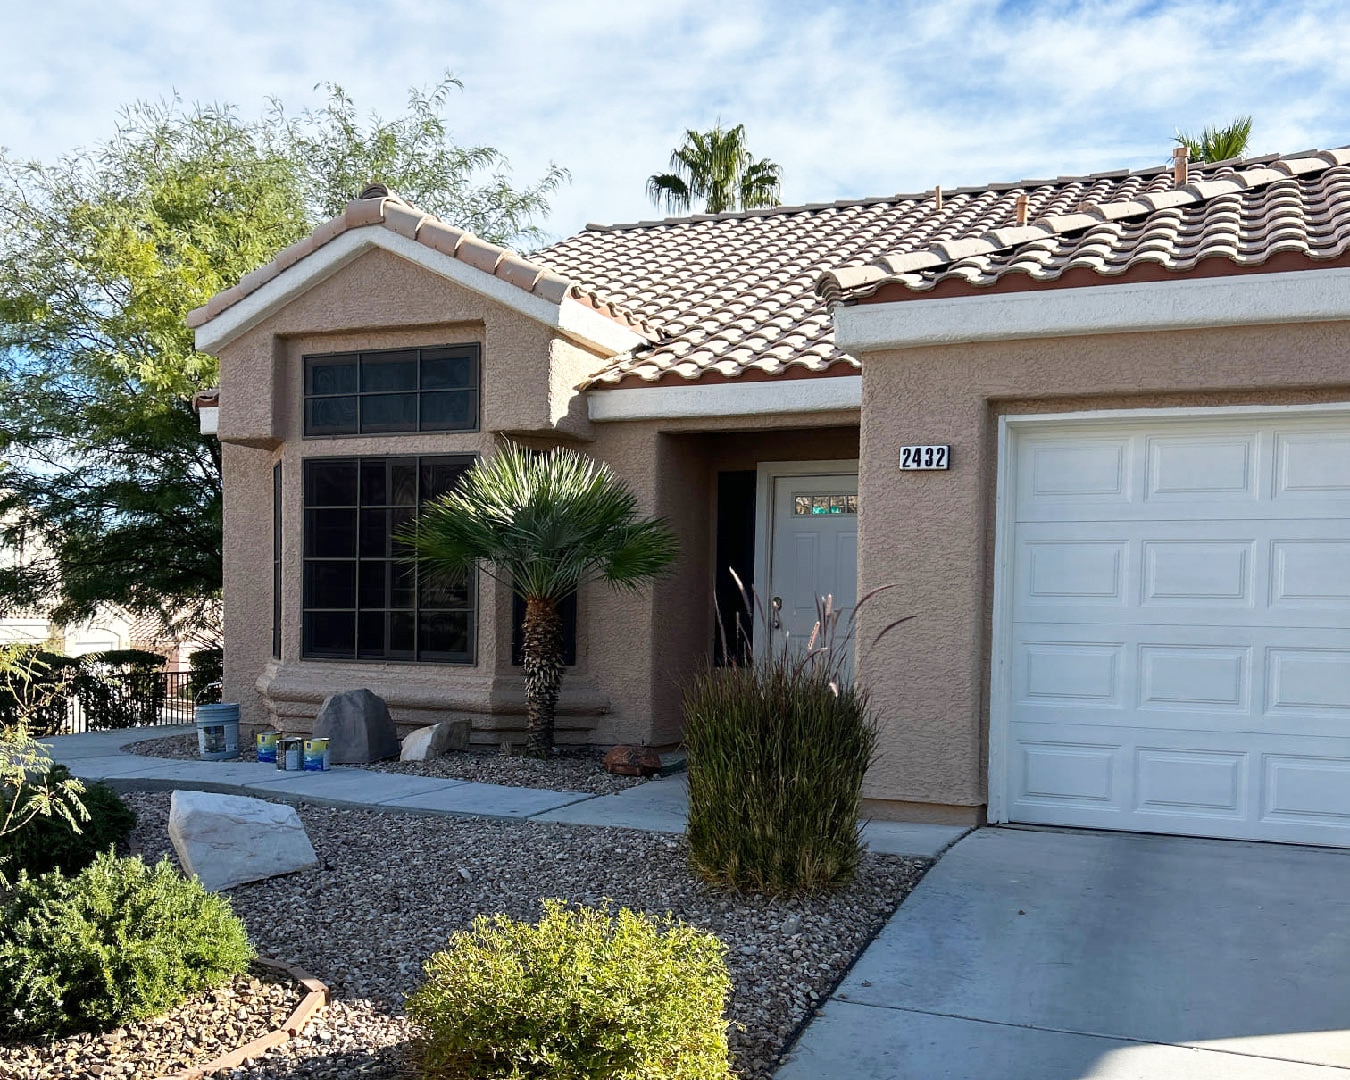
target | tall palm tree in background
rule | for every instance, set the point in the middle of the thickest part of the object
(545, 523)
(716, 168)
(1218, 144)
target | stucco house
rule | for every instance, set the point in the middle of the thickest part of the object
(1096, 430)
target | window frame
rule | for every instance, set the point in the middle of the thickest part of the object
(464, 461)
(277, 491)
(471, 350)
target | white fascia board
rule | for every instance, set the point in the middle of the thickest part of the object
(208, 416)
(571, 318)
(1128, 307)
(726, 399)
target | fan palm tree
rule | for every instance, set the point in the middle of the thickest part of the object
(1218, 144)
(545, 523)
(715, 167)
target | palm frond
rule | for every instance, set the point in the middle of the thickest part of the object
(715, 167)
(1218, 143)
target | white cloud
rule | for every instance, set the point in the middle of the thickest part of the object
(850, 98)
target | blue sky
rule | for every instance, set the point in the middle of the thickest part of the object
(852, 99)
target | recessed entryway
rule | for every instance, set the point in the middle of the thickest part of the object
(1172, 624)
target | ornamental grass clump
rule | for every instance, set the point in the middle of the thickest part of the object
(583, 994)
(117, 943)
(778, 747)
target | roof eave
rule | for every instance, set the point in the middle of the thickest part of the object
(1315, 294)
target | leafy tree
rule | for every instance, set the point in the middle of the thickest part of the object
(105, 482)
(545, 523)
(1218, 143)
(716, 168)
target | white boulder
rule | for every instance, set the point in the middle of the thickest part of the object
(226, 840)
(435, 740)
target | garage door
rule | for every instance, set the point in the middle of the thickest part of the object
(1173, 647)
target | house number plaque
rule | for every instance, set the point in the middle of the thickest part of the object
(925, 458)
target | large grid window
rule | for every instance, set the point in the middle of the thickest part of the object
(392, 390)
(362, 598)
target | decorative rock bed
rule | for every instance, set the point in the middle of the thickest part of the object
(391, 888)
(215, 1030)
(579, 769)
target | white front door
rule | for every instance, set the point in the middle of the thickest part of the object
(811, 549)
(1174, 648)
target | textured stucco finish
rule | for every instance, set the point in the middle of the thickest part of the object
(931, 534)
(634, 650)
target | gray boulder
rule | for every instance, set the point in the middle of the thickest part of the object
(358, 728)
(226, 840)
(435, 740)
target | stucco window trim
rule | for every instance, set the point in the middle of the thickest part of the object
(1005, 493)
(788, 396)
(1312, 295)
(570, 317)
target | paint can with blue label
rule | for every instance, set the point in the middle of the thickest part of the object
(316, 755)
(267, 746)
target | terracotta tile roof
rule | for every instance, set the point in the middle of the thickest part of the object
(733, 296)
(1243, 213)
(377, 207)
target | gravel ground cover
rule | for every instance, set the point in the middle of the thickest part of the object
(202, 1028)
(391, 888)
(578, 769)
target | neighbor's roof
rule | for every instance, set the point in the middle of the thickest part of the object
(1280, 213)
(733, 296)
(376, 207)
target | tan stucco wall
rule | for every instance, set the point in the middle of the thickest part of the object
(634, 650)
(931, 534)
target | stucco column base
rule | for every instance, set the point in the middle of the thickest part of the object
(922, 812)
(494, 704)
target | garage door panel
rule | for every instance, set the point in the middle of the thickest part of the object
(1312, 466)
(1215, 468)
(1195, 571)
(1310, 573)
(1178, 654)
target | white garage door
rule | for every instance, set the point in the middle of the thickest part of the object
(1174, 630)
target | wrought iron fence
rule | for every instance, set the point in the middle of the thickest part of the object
(107, 701)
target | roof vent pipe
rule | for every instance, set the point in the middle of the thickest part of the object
(937, 196)
(1021, 209)
(1180, 167)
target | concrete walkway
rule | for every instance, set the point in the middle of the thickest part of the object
(1044, 955)
(656, 806)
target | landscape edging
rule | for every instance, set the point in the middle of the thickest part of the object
(316, 997)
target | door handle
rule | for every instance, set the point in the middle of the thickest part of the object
(776, 604)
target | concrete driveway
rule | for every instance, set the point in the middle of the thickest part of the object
(1044, 955)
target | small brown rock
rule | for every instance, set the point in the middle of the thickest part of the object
(633, 761)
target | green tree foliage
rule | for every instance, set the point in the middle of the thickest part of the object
(1218, 143)
(106, 485)
(715, 168)
(545, 523)
(581, 995)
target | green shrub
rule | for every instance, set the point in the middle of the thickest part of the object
(207, 667)
(581, 995)
(48, 843)
(117, 943)
(777, 751)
